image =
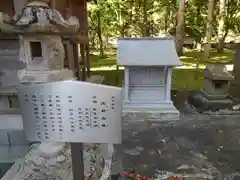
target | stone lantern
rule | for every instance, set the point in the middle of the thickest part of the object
(40, 31)
(216, 81)
(40, 60)
(148, 66)
(214, 95)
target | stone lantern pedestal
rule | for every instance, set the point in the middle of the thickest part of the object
(214, 95)
(235, 84)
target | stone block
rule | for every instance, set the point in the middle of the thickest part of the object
(234, 91)
(9, 77)
(166, 112)
(4, 138)
(17, 138)
(8, 90)
(11, 154)
(4, 102)
(202, 103)
(216, 90)
(27, 77)
(11, 121)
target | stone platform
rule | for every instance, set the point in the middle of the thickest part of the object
(53, 161)
(235, 91)
(202, 103)
(161, 113)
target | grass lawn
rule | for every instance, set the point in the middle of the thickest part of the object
(182, 78)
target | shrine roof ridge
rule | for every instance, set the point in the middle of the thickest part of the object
(146, 38)
(147, 52)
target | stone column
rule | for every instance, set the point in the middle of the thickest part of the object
(19, 5)
(168, 84)
(126, 84)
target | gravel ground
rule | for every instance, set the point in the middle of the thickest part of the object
(197, 146)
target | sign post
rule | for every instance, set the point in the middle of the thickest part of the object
(72, 111)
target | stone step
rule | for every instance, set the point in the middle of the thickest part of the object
(9, 44)
(11, 62)
(13, 138)
(12, 121)
(10, 111)
(8, 91)
(12, 57)
(4, 167)
(165, 112)
(9, 52)
(12, 154)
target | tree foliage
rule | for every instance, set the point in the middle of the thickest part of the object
(151, 17)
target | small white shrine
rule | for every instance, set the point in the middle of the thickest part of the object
(148, 66)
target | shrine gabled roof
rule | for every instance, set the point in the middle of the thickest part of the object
(147, 52)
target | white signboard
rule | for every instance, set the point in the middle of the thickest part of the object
(72, 111)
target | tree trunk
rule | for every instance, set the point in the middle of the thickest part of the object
(99, 33)
(130, 16)
(198, 12)
(221, 26)
(121, 24)
(198, 39)
(145, 18)
(166, 17)
(209, 30)
(221, 42)
(106, 41)
(180, 27)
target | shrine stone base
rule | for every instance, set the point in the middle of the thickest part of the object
(202, 103)
(164, 112)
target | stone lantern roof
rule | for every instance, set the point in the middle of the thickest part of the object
(217, 72)
(38, 17)
(39, 2)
